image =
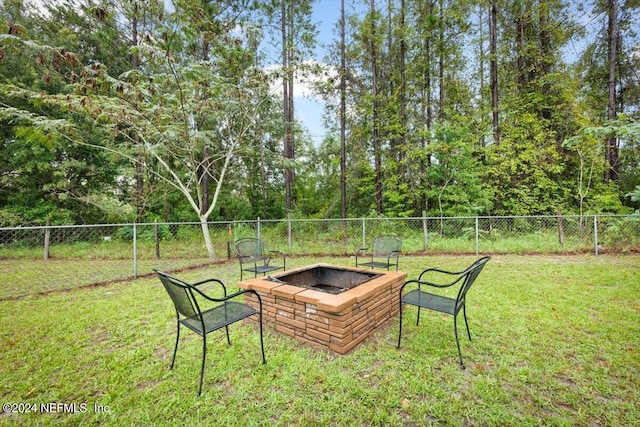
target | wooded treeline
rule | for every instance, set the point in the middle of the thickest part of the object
(130, 110)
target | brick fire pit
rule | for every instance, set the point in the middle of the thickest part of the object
(338, 314)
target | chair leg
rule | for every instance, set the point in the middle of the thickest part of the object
(204, 356)
(400, 329)
(228, 339)
(175, 348)
(464, 311)
(418, 318)
(264, 360)
(455, 330)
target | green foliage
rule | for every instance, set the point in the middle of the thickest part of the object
(622, 234)
(524, 169)
(606, 199)
(454, 175)
(148, 233)
(183, 122)
(635, 194)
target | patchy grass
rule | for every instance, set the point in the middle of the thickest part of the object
(555, 342)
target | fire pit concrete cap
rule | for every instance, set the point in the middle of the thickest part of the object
(327, 302)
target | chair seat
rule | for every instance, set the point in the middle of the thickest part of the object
(376, 264)
(218, 317)
(262, 269)
(430, 301)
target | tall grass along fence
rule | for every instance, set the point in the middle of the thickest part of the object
(45, 258)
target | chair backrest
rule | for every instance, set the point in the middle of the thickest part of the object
(384, 245)
(249, 247)
(181, 295)
(470, 276)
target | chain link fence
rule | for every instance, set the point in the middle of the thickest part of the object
(36, 260)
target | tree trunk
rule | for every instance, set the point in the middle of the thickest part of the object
(403, 90)
(441, 55)
(287, 89)
(611, 147)
(376, 124)
(493, 61)
(343, 113)
(546, 59)
(426, 104)
(291, 154)
(139, 166)
(205, 164)
(481, 64)
(207, 237)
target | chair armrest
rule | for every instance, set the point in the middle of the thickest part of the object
(460, 275)
(439, 270)
(252, 259)
(202, 282)
(420, 283)
(226, 297)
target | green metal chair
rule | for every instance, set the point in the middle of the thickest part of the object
(189, 314)
(385, 252)
(443, 304)
(256, 258)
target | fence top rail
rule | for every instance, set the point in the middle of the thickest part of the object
(234, 222)
(555, 216)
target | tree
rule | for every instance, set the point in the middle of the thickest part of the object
(296, 38)
(609, 77)
(375, 110)
(454, 176)
(343, 112)
(45, 177)
(177, 109)
(587, 145)
(493, 61)
(611, 151)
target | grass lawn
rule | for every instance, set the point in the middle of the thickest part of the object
(555, 342)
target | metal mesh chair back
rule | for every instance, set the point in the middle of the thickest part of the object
(250, 247)
(470, 276)
(180, 294)
(384, 245)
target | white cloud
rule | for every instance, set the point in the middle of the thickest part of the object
(310, 74)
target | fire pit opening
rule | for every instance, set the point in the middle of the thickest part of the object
(328, 306)
(328, 279)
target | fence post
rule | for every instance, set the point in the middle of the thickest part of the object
(135, 252)
(230, 241)
(156, 233)
(364, 234)
(595, 234)
(477, 238)
(47, 239)
(560, 227)
(258, 227)
(425, 231)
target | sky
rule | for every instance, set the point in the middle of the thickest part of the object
(308, 109)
